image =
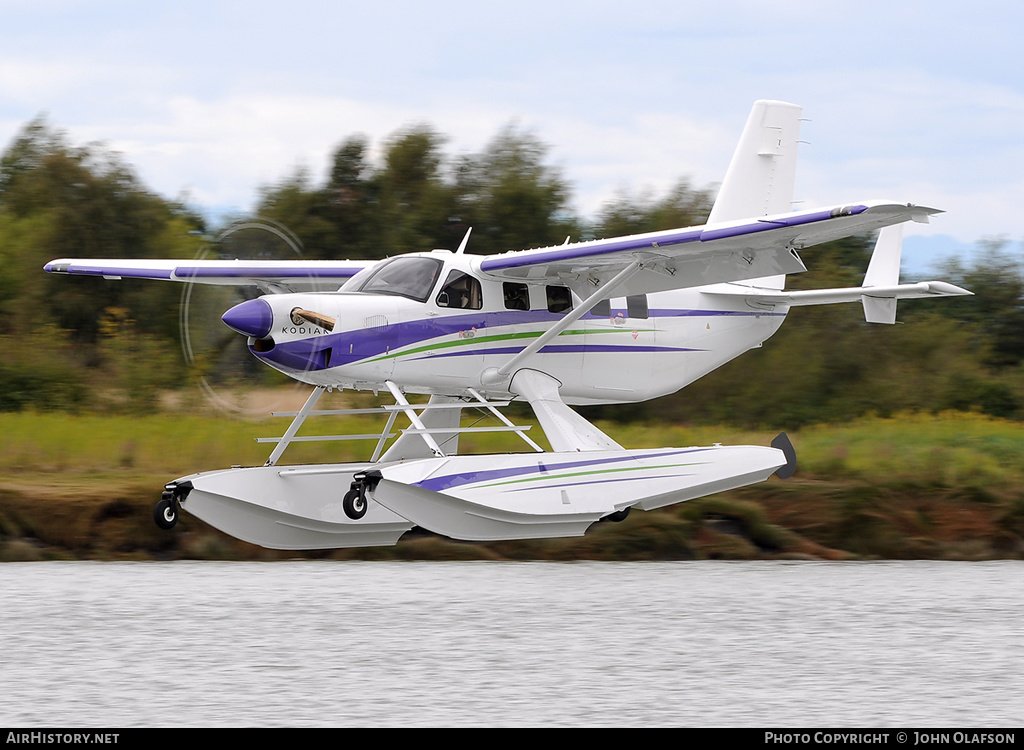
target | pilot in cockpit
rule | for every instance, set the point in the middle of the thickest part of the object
(461, 292)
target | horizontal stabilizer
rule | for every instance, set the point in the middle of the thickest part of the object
(768, 299)
(878, 294)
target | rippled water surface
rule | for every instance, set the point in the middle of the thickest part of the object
(512, 644)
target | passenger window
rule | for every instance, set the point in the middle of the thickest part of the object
(460, 291)
(602, 309)
(517, 296)
(559, 299)
(636, 306)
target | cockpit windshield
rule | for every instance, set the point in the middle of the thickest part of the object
(403, 276)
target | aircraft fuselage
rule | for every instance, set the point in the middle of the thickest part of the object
(440, 323)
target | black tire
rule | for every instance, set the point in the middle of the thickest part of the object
(618, 516)
(355, 503)
(166, 513)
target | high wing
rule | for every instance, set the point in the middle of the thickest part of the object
(751, 235)
(699, 256)
(272, 276)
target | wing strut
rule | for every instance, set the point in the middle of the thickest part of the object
(494, 376)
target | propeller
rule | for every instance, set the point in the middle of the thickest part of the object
(218, 358)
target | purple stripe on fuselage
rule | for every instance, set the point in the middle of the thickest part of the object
(349, 347)
(665, 313)
(365, 343)
(563, 349)
(303, 356)
(437, 484)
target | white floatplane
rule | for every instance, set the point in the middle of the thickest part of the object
(609, 321)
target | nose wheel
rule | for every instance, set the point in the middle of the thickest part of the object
(167, 511)
(355, 503)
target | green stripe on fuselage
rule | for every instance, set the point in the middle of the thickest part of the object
(492, 339)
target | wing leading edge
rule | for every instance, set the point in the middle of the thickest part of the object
(699, 256)
(672, 259)
(270, 275)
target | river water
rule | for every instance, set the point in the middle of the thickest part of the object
(306, 643)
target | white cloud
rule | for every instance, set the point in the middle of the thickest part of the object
(924, 103)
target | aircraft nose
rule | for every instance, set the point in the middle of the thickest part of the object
(250, 318)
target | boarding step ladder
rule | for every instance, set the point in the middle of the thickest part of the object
(401, 406)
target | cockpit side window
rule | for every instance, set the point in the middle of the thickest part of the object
(559, 299)
(403, 276)
(460, 290)
(517, 296)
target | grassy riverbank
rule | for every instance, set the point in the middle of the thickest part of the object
(918, 486)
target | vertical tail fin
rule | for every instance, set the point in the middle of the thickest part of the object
(762, 174)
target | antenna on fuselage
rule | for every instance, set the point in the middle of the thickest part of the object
(465, 241)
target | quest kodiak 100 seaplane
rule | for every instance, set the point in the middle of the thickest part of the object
(609, 321)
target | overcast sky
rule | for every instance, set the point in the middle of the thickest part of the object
(912, 101)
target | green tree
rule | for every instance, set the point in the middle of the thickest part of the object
(511, 197)
(59, 200)
(416, 204)
(996, 311)
(418, 198)
(351, 198)
(297, 205)
(683, 206)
